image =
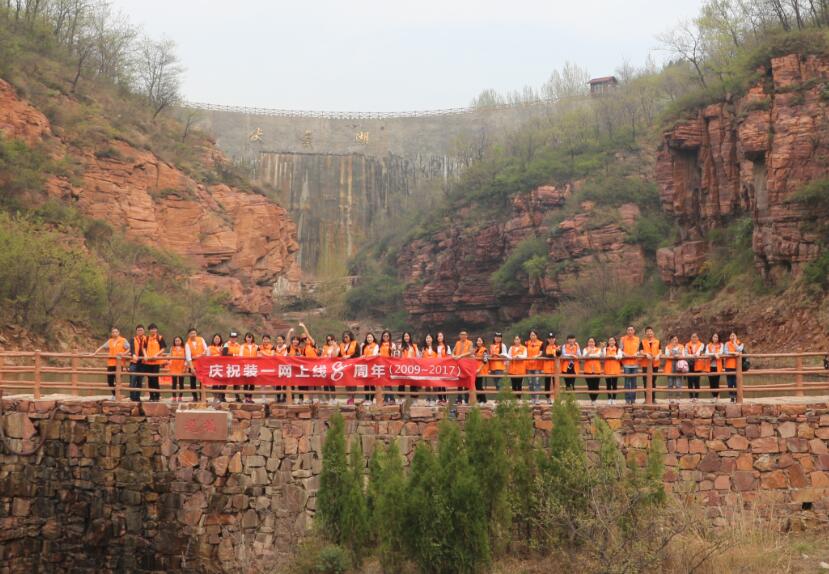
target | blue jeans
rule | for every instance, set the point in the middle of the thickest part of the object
(136, 381)
(630, 382)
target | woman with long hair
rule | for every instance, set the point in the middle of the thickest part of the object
(612, 368)
(733, 349)
(280, 349)
(387, 348)
(348, 350)
(694, 350)
(216, 349)
(330, 350)
(481, 354)
(370, 348)
(534, 365)
(428, 351)
(674, 353)
(443, 350)
(715, 350)
(407, 349)
(177, 367)
(517, 365)
(592, 368)
(248, 349)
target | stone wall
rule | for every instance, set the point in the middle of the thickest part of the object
(112, 490)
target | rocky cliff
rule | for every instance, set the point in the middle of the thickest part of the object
(233, 240)
(448, 275)
(748, 156)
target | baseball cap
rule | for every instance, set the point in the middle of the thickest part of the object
(551, 335)
(234, 334)
(498, 334)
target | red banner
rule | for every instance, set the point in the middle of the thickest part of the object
(359, 372)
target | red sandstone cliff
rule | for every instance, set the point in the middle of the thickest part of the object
(236, 241)
(448, 274)
(748, 156)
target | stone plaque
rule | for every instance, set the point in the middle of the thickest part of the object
(202, 424)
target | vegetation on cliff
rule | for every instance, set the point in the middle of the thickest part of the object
(103, 88)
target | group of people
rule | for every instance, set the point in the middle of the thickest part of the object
(526, 361)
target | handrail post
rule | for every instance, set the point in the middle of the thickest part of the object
(556, 378)
(118, 367)
(75, 365)
(739, 379)
(473, 392)
(649, 383)
(378, 395)
(798, 378)
(37, 374)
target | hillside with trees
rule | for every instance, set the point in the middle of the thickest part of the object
(678, 199)
(113, 211)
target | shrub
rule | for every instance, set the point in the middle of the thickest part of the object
(816, 272)
(377, 294)
(315, 557)
(511, 276)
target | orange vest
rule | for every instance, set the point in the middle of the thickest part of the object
(700, 363)
(429, 353)
(669, 363)
(534, 350)
(719, 349)
(463, 347)
(138, 344)
(572, 351)
(177, 366)
(442, 350)
(214, 351)
(612, 367)
(311, 351)
(731, 362)
(385, 349)
(630, 346)
(348, 350)
(369, 349)
(410, 353)
(592, 366)
(517, 366)
(549, 365)
(650, 347)
(197, 347)
(293, 351)
(495, 364)
(267, 350)
(117, 346)
(483, 369)
(281, 351)
(332, 350)
(248, 350)
(153, 349)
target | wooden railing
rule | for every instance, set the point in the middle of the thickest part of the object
(39, 374)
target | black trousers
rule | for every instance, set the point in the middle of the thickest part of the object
(111, 377)
(593, 387)
(152, 381)
(517, 383)
(714, 382)
(136, 380)
(178, 383)
(194, 384)
(693, 387)
(480, 385)
(570, 382)
(612, 384)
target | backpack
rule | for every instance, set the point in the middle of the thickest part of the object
(681, 366)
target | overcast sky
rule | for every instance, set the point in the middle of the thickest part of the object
(394, 55)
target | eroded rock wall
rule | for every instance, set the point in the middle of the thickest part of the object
(748, 157)
(112, 490)
(236, 241)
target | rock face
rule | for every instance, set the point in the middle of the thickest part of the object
(113, 490)
(236, 241)
(448, 274)
(748, 157)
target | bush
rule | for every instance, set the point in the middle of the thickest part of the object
(377, 294)
(512, 276)
(315, 557)
(816, 272)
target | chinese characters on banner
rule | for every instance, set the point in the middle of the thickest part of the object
(361, 371)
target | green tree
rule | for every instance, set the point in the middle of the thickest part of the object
(387, 499)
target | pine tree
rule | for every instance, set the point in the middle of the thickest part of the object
(356, 533)
(387, 498)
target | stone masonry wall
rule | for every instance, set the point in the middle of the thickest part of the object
(112, 490)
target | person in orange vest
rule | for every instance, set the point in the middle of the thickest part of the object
(517, 366)
(631, 352)
(592, 366)
(443, 350)
(156, 345)
(308, 349)
(248, 349)
(481, 354)
(714, 351)
(570, 353)
(534, 365)
(498, 353)
(674, 363)
(116, 345)
(612, 368)
(137, 367)
(177, 367)
(408, 350)
(216, 348)
(548, 365)
(370, 348)
(463, 348)
(387, 348)
(428, 351)
(330, 350)
(195, 347)
(231, 349)
(694, 350)
(651, 354)
(348, 350)
(733, 349)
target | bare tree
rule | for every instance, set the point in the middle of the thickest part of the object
(570, 82)
(159, 73)
(685, 42)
